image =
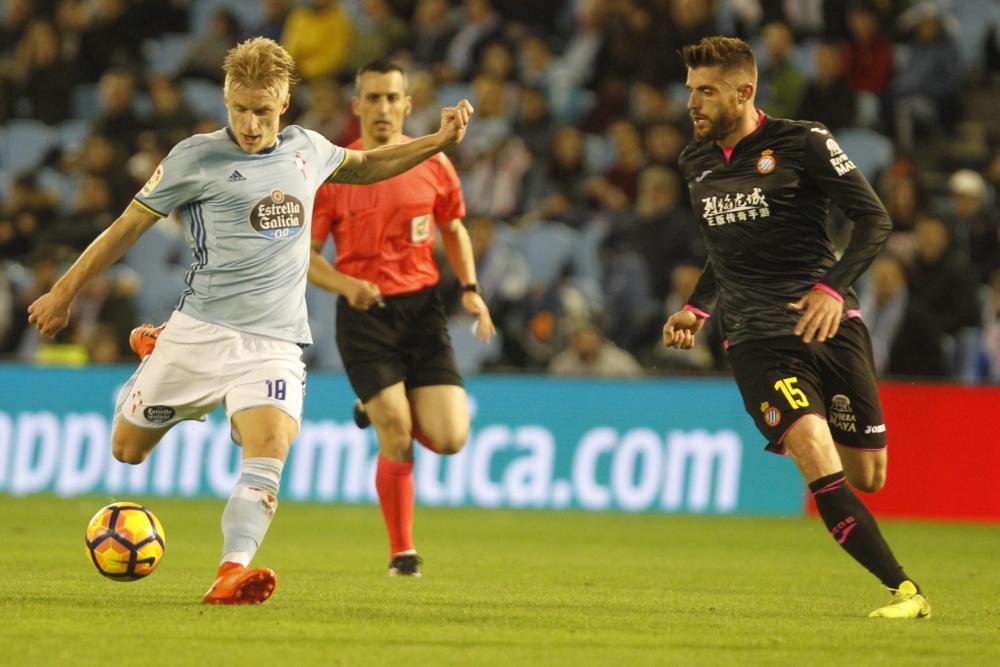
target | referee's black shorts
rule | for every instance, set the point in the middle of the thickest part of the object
(783, 379)
(405, 341)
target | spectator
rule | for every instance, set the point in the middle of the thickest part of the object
(868, 54)
(118, 120)
(538, 66)
(557, 187)
(581, 59)
(431, 32)
(639, 255)
(495, 161)
(663, 145)
(90, 214)
(925, 91)
(533, 122)
(940, 283)
(273, 23)
(480, 25)
(975, 225)
(319, 37)
(111, 38)
(782, 84)
(629, 160)
(329, 113)
(989, 348)
(651, 104)
(904, 196)
(171, 118)
(589, 354)
(102, 158)
(829, 98)
(44, 75)
(379, 33)
(425, 113)
(906, 338)
(208, 50)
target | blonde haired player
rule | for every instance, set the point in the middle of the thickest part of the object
(245, 194)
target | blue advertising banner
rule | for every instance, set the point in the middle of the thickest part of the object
(656, 445)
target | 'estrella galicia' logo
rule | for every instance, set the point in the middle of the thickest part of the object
(158, 414)
(278, 216)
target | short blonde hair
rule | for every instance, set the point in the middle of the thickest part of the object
(259, 63)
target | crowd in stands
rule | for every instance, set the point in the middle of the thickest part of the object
(583, 233)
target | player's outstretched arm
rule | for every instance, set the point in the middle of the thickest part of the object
(458, 248)
(360, 294)
(681, 328)
(50, 312)
(362, 167)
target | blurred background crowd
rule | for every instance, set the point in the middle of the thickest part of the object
(582, 229)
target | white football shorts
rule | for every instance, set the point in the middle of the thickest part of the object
(195, 366)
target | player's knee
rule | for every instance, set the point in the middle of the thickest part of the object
(126, 452)
(395, 426)
(870, 483)
(451, 444)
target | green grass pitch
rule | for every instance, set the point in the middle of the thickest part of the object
(499, 588)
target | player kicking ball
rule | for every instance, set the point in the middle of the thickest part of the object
(245, 195)
(800, 354)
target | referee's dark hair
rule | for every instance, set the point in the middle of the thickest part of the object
(725, 52)
(380, 66)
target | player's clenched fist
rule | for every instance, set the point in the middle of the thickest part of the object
(455, 120)
(681, 328)
(49, 314)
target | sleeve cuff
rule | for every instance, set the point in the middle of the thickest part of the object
(826, 289)
(697, 311)
(149, 209)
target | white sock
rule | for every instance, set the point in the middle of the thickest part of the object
(250, 508)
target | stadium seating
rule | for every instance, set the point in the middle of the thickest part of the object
(26, 143)
(85, 105)
(166, 54)
(547, 248)
(205, 98)
(870, 151)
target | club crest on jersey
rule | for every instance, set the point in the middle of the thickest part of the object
(278, 216)
(772, 415)
(153, 181)
(767, 162)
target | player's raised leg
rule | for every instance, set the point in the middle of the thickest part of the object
(265, 434)
(811, 446)
(130, 443)
(865, 469)
(441, 417)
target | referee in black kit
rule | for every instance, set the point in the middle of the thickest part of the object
(762, 188)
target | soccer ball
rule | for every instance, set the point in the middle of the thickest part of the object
(125, 541)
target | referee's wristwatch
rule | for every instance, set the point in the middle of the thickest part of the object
(472, 287)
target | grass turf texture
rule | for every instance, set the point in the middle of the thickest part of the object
(499, 588)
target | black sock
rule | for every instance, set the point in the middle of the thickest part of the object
(854, 528)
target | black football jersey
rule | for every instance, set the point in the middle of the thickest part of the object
(764, 217)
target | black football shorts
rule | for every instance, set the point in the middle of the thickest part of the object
(783, 379)
(404, 341)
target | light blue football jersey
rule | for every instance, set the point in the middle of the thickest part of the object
(246, 218)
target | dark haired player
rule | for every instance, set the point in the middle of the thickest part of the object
(392, 331)
(799, 351)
